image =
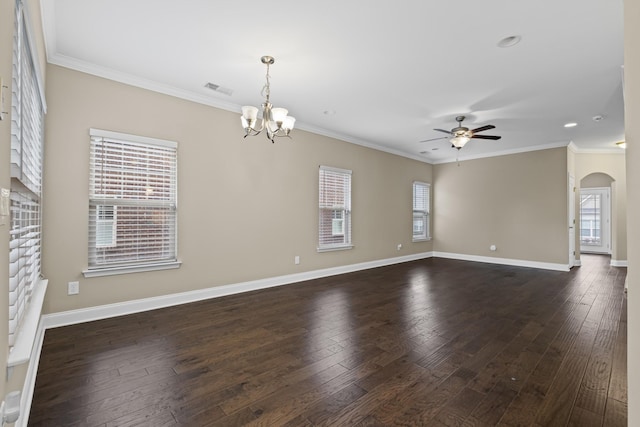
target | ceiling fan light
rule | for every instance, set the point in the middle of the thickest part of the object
(459, 141)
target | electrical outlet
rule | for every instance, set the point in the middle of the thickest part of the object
(296, 260)
(73, 288)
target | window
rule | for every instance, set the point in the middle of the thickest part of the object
(334, 209)
(27, 139)
(420, 211)
(590, 218)
(132, 203)
(105, 226)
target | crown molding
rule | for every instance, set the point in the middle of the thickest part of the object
(505, 152)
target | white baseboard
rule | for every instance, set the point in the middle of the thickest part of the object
(619, 263)
(577, 263)
(503, 261)
(89, 314)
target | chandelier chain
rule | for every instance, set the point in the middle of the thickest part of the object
(266, 89)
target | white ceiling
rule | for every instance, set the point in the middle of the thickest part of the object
(390, 71)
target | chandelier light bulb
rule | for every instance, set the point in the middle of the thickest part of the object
(288, 123)
(250, 113)
(278, 114)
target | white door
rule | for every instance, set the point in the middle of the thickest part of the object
(572, 221)
(595, 222)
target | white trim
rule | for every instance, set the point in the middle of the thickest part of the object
(74, 64)
(577, 150)
(502, 153)
(30, 380)
(35, 57)
(128, 138)
(577, 263)
(334, 248)
(337, 170)
(503, 261)
(619, 263)
(72, 317)
(27, 334)
(137, 268)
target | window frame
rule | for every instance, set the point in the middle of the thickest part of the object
(334, 210)
(421, 213)
(28, 108)
(131, 198)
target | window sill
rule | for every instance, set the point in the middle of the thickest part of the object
(138, 268)
(335, 248)
(21, 351)
(425, 239)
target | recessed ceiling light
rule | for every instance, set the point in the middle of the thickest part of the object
(509, 41)
(622, 144)
(597, 118)
(329, 112)
(435, 149)
(570, 125)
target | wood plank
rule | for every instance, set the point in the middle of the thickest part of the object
(432, 342)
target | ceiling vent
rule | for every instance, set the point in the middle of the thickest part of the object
(219, 88)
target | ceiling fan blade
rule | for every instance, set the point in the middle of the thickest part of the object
(445, 131)
(434, 139)
(483, 128)
(493, 137)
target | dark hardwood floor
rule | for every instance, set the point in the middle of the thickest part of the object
(427, 343)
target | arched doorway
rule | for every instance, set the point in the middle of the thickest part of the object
(595, 214)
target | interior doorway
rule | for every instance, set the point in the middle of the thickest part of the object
(595, 220)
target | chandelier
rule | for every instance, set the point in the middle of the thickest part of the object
(274, 120)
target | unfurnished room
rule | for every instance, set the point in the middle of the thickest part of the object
(339, 213)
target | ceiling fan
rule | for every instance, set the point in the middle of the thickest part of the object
(460, 135)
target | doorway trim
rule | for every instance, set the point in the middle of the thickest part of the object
(604, 247)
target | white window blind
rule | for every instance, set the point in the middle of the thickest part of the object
(334, 209)
(27, 139)
(132, 200)
(420, 211)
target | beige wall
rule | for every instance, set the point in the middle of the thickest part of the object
(517, 202)
(246, 207)
(632, 136)
(589, 166)
(596, 180)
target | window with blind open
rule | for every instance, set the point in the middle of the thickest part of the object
(334, 209)
(420, 211)
(27, 140)
(132, 203)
